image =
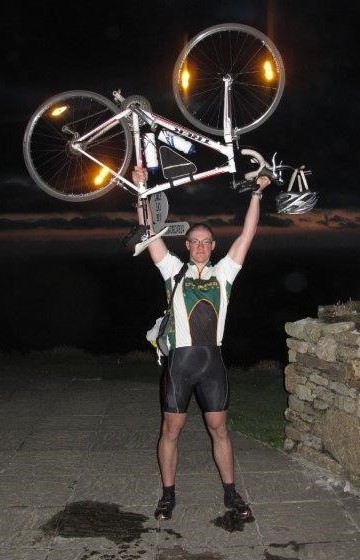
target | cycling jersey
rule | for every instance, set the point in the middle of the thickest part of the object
(200, 302)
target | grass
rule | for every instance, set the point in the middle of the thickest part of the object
(258, 397)
(258, 401)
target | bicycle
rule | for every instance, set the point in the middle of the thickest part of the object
(227, 81)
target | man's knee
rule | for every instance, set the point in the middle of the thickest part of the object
(217, 424)
(173, 425)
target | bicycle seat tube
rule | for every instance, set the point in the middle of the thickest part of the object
(228, 136)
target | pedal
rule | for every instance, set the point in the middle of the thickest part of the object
(139, 247)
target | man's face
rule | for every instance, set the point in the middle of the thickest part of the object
(200, 245)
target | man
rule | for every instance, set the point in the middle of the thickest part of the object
(195, 363)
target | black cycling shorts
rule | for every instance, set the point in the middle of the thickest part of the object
(199, 370)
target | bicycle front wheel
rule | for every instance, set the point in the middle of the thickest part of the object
(252, 61)
(53, 130)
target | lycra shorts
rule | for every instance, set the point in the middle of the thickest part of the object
(199, 370)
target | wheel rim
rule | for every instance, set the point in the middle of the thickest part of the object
(49, 152)
(252, 61)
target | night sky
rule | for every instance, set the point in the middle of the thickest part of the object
(101, 46)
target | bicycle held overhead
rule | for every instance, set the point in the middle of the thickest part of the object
(228, 80)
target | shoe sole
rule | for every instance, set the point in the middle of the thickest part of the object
(160, 515)
(244, 512)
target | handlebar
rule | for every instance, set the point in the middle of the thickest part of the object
(259, 159)
(273, 171)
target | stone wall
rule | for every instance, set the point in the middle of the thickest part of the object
(323, 382)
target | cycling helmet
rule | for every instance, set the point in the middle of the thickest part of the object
(296, 202)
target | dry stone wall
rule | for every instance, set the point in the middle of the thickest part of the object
(323, 382)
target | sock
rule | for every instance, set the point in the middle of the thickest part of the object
(229, 491)
(169, 493)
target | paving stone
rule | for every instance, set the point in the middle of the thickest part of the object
(188, 551)
(91, 552)
(313, 522)
(331, 551)
(245, 552)
(241, 442)
(71, 439)
(193, 462)
(277, 487)
(107, 440)
(25, 408)
(133, 394)
(127, 491)
(199, 488)
(13, 439)
(31, 534)
(104, 531)
(5, 458)
(194, 440)
(122, 463)
(264, 459)
(68, 554)
(352, 506)
(46, 465)
(85, 422)
(12, 520)
(195, 422)
(19, 492)
(147, 416)
(24, 554)
(77, 407)
(211, 526)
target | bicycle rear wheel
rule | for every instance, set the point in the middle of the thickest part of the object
(230, 49)
(54, 164)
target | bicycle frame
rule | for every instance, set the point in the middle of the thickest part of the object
(226, 149)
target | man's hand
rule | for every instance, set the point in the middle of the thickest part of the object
(139, 175)
(262, 181)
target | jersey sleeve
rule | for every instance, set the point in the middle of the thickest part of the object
(169, 265)
(228, 268)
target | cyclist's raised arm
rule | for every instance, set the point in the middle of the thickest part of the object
(241, 245)
(157, 248)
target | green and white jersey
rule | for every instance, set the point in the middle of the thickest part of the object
(200, 302)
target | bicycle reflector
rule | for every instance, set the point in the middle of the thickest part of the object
(101, 176)
(300, 202)
(185, 79)
(269, 73)
(57, 111)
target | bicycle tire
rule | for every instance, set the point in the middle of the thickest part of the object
(239, 51)
(55, 166)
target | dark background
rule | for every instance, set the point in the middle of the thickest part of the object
(92, 294)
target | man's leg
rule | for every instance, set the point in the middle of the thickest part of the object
(173, 423)
(224, 459)
(172, 426)
(222, 446)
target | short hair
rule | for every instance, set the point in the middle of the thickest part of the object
(200, 225)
